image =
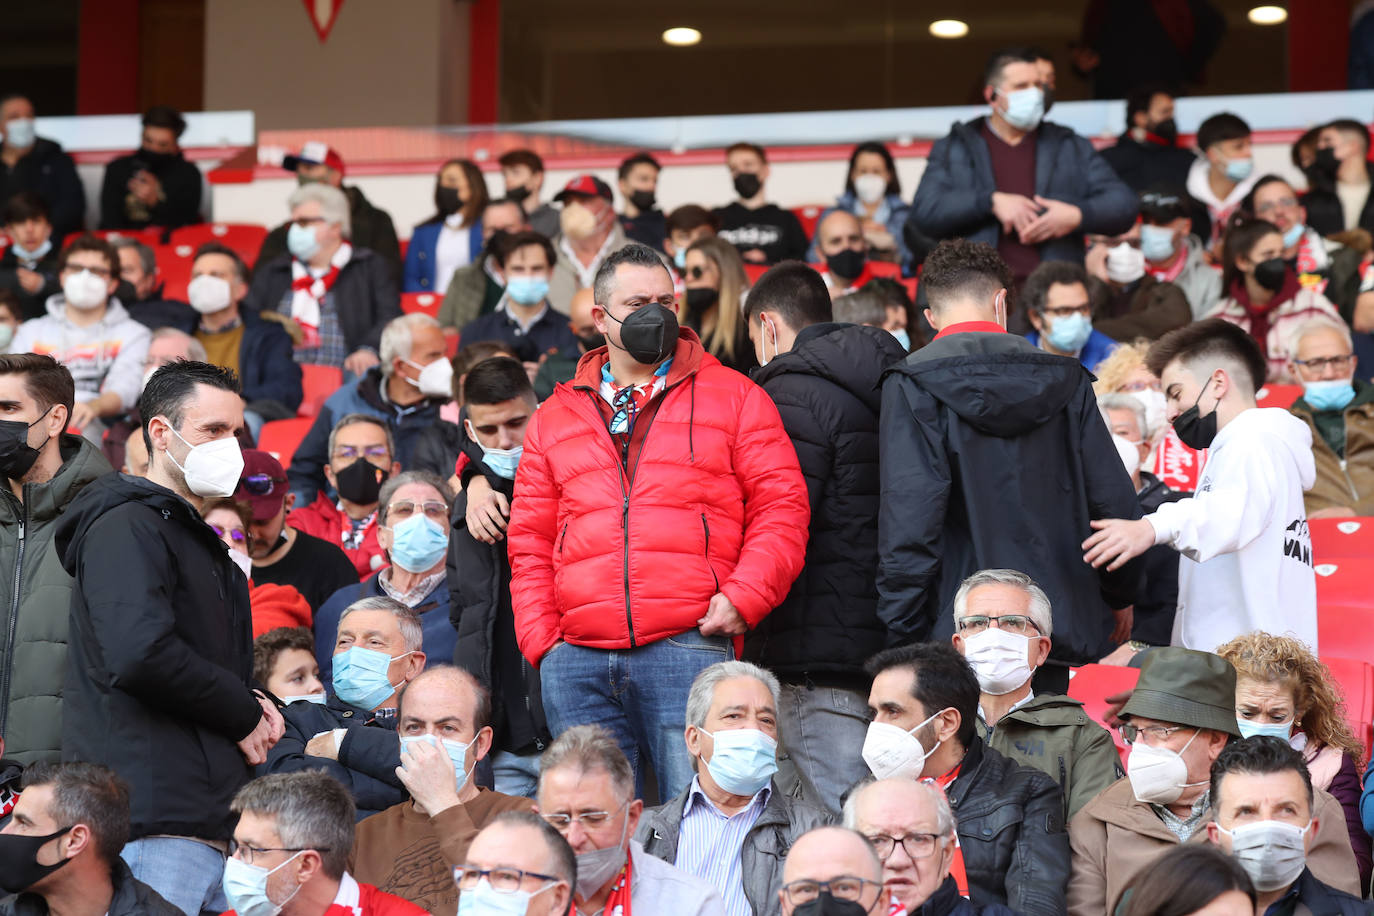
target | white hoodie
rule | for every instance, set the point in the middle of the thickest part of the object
(1219, 210)
(1247, 554)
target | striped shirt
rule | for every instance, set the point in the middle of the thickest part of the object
(710, 843)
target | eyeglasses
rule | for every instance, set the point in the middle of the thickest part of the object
(235, 534)
(1084, 310)
(305, 222)
(1158, 733)
(845, 887)
(1283, 203)
(246, 854)
(260, 484)
(590, 820)
(1007, 623)
(917, 845)
(502, 880)
(371, 451)
(1320, 364)
(101, 272)
(404, 509)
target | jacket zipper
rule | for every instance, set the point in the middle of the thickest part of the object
(14, 612)
(562, 536)
(1348, 482)
(707, 528)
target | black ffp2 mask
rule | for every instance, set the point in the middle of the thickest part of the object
(747, 184)
(643, 200)
(446, 200)
(1270, 273)
(1193, 429)
(361, 482)
(649, 335)
(16, 455)
(847, 264)
(827, 904)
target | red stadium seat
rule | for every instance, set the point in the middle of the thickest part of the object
(1345, 608)
(319, 383)
(885, 269)
(1092, 684)
(1278, 395)
(244, 238)
(808, 216)
(1355, 678)
(283, 437)
(754, 271)
(174, 266)
(150, 236)
(1336, 538)
(421, 302)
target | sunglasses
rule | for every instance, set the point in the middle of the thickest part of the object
(235, 534)
(260, 484)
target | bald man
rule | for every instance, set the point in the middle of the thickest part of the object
(840, 242)
(835, 862)
(560, 367)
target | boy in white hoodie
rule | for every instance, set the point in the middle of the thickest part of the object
(1247, 554)
(1225, 172)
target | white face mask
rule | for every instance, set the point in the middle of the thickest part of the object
(893, 753)
(1000, 661)
(208, 294)
(1125, 264)
(212, 468)
(1158, 774)
(20, 133)
(84, 290)
(1129, 454)
(870, 188)
(1272, 853)
(436, 379)
(243, 561)
(1154, 403)
(765, 328)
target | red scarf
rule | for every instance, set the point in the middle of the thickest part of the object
(618, 902)
(1170, 274)
(956, 866)
(316, 288)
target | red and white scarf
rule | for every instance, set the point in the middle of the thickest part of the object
(618, 901)
(308, 291)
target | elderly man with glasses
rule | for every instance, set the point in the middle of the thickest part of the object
(1003, 623)
(832, 870)
(518, 865)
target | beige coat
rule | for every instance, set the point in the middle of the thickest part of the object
(1115, 836)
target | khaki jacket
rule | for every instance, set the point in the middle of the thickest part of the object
(1115, 836)
(1342, 484)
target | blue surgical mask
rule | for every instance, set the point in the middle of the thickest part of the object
(1239, 169)
(246, 887)
(1293, 235)
(903, 338)
(503, 462)
(1025, 107)
(743, 760)
(680, 258)
(6, 335)
(301, 242)
(1070, 333)
(1156, 242)
(457, 754)
(1333, 394)
(360, 676)
(485, 900)
(20, 133)
(317, 698)
(24, 254)
(1281, 730)
(528, 290)
(417, 544)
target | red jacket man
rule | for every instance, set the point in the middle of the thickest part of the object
(659, 511)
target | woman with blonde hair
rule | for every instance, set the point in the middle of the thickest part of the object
(714, 302)
(1283, 690)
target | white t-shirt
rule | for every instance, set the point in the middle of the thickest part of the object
(1247, 553)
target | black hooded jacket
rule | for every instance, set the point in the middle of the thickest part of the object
(160, 655)
(994, 454)
(827, 393)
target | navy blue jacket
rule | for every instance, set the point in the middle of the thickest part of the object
(947, 902)
(547, 335)
(267, 370)
(954, 199)
(440, 638)
(47, 170)
(420, 265)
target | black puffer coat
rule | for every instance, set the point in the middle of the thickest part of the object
(826, 390)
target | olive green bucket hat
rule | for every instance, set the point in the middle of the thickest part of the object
(1186, 687)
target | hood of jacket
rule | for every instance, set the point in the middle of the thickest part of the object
(1048, 710)
(82, 463)
(849, 356)
(115, 311)
(1282, 428)
(1200, 188)
(997, 383)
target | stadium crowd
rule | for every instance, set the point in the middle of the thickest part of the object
(690, 562)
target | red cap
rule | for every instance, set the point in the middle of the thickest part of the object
(314, 153)
(262, 485)
(586, 185)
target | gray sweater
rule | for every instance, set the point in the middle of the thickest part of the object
(106, 355)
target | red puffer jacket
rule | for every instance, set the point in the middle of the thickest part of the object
(717, 504)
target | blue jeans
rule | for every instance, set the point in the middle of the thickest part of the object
(516, 774)
(188, 874)
(823, 729)
(639, 695)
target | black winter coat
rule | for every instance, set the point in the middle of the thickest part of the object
(946, 901)
(1012, 832)
(131, 898)
(365, 294)
(370, 227)
(160, 655)
(994, 454)
(50, 172)
(437, 448)
(1325, 212)
(827, 392)
(267, 370)
(182, 189)
(32, 305)
(368, 755)
(1158, 599)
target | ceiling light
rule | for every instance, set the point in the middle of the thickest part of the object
(681, 36)
(1268, 15)
(949, 28)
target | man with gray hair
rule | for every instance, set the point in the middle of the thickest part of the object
(406, 391)
(350, 733)
(732, 826)
(412, 529)
(1338, 408)
(587, 793)
(1002, 624)
(832, 870)
(340, 296)
(140, 291)
(637, 558)
(291, 850)
(911, 827)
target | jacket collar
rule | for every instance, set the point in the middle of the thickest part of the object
(688, 357)
(943, 901)
(1118, 806)
(969, 769)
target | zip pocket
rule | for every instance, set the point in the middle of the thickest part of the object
(707, 552)
(562, 536)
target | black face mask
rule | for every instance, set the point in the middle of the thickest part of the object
(826, 904)
(446, 200)
(698, 300)
(360, 482)
(1193, 429)
(846, 264)
(1166, 130)
(591, 341)
(19, 868)
(649, 335)
(517, 194)
(1269, 274)
(1326, 162)
(16, 455)
(643, 200)
(747, 184)
(156, 160)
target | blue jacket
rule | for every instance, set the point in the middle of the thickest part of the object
(954, 199)
(267, 370)
(1098, 348)
(548, 335)
(440, 638)
(897, 213)
(418, 276)
(362, 395)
